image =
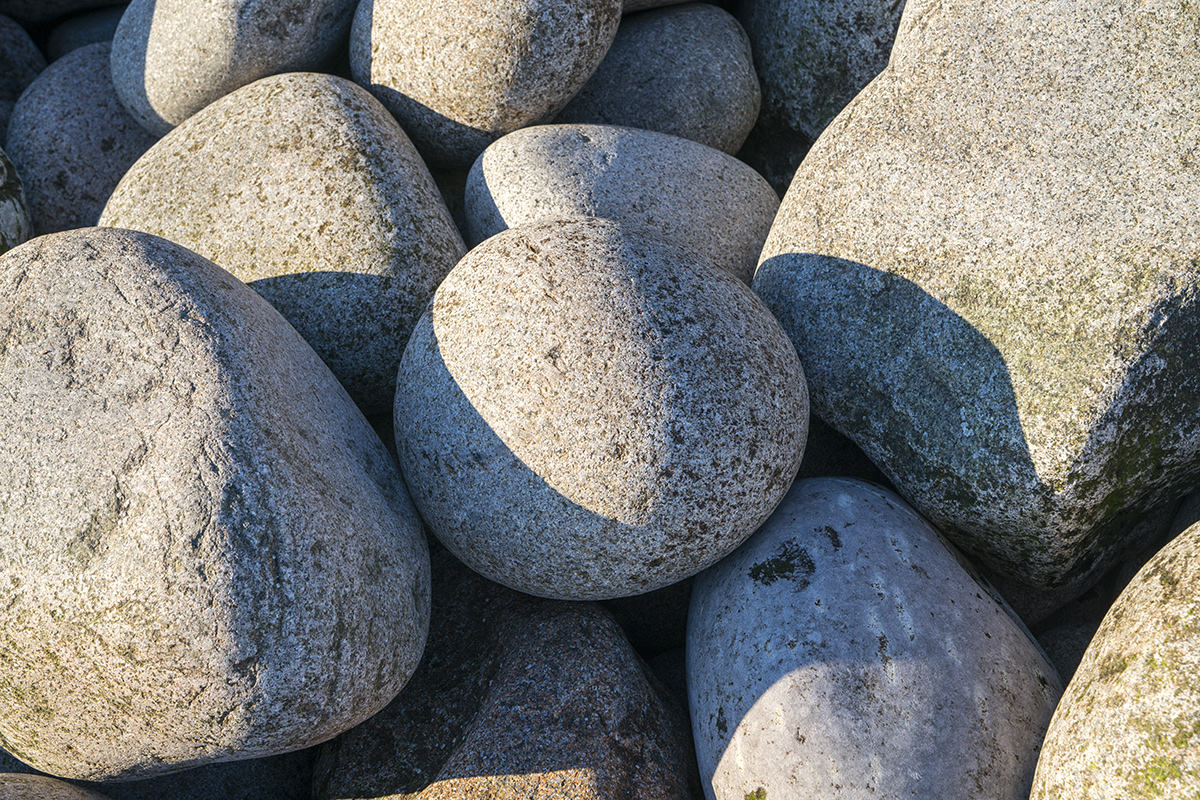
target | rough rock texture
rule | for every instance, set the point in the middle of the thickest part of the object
(93, 27)
(171, 58)
(283, 777)
(684, 70)
(1128, 726)
(460, 75)
(586, 413)
(303, 186)
(180, 477)
(993, 302)
(14, 213)
(20, 63)
(693, 196)
(845, 652)
(38, 11)
(40, 787)
(812, 57)
(71, 141)
(516, 699)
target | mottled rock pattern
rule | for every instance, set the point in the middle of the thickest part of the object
(41, 787)
(845, 652)
(586, 413)
(683, 70)
(71, 141)
(171, 58)
(38, 11)
(1128, 726)
(303, 186)
(20, 63)
(15, 226)
(460, 75)
(516, 699)
(693, 196)
(92, 27)
(181, 585)
(1020, 366)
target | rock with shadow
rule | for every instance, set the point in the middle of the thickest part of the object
(22, 786)
(90, 27)
(997, 305)
(15, 226)
(304, 187)
(845, 651)
(20, 63)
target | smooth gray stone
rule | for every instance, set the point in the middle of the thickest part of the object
(846, 652)
(92, 27)
(208, 554)
(20, 63)
(71, 141)
(684, 70)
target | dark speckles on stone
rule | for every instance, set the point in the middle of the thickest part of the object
(834, 538)
(790, 561)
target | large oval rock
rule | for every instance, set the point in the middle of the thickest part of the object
(208, 555)
(1020, 367)
(459, 77)
(684, 70)
(20, 63)
(586, 413)
(845, 652)
(692, 196)
(171, 58)
(1128, 727)
(14, 213)
(303, 186)
(41, 787)
(71, 140)
(516, 699)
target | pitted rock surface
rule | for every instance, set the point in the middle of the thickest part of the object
(171, 58)
(845, 652)
(588, 413)
(304, 187)
(207, 554)
(516, 699)
(995, 304)
(693, 196)
(1128, 725)
(41, 787)
(15, 226)
(92, 27)
(460, 75)
(684, 70)
(71, 141)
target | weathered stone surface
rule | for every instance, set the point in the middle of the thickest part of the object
(92, 27)
(693, 196)
(1020, 365)
(516, 699)
(40, 787)
(71, 140)
(812, 57)
(587, 413)
(1128, 726)
(684, 70)
(20, 63)
(207, 553)
(14, 213)
(38, 11)
(458, 76)
(171, 58)
(845, 652)
(304, 186)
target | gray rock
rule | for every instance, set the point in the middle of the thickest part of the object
(41, 787)
(693, 196)
(1021, 367)
(516, 699)
(812, 57)
(39, 11)
(71, 141)
(182, 588)
(92, 27)
(1128, 726)
(304, 186)
(20, 63)
(458, 78)
(587, 413)
(14, 213)
(171, 58)
(845, 652)
(684, 70)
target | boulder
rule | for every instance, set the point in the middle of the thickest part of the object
(41, 787)
(845, 651)
(303, 186)
(284, 777)
(207, 554)
(586, 413)
(15, 226)
(91, 27)
(20, 63)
